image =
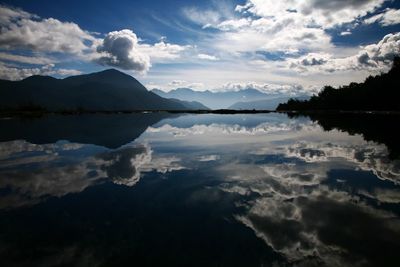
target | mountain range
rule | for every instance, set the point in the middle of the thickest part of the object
(106, 90)
(263, 104)
(242, 99)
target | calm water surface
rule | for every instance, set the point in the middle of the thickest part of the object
(199, 190)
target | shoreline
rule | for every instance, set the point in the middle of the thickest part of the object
(32, 113)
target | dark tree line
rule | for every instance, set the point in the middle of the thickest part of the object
(380, 128)
(380, 93)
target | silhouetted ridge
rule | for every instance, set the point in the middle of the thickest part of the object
(379, 93)
(107, 90)
(39, 78)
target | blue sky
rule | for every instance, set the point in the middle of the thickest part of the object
(219, 45)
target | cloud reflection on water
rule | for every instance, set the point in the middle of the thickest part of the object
(293, 181)
(34, 172)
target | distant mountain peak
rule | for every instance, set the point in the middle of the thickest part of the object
(215, 99)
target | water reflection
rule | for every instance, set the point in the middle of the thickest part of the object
(111, 131)
(33, 172)
(228, 190)
(381, 128)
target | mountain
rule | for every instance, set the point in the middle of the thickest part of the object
(214, 100)
(106, 90)
(191, 105)
(379, 93)
(263, 104)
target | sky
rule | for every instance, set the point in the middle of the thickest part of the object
(296, 46)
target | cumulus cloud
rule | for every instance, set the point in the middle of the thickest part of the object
(389, 17)
(375, 57)
(381, 53)
(23, 30)
(120, 49)
(123, 49)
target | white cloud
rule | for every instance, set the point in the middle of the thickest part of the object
(369, 157)
(271, 89)
(388, 17)
(14, 73)
(176, 84)
(326, 14)
(207, 57)
(287, 192)
(202, 17)
(345, 33)
(183, 83)
(233, 24)
(9, 14)
(228, 130)
(219, 11)
(22, 30)
(48, 178)
(207, 158)
(373, 57)
(122, 49)
(283, 26)
(280, 34)
(162, 51)
(34, 60)
(381, 53)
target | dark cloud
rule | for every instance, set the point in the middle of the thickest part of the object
(120, 49)
(335, 5)
(313, 61)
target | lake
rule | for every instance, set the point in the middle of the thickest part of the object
(162, 189)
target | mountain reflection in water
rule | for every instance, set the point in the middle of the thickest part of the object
(199, 190)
